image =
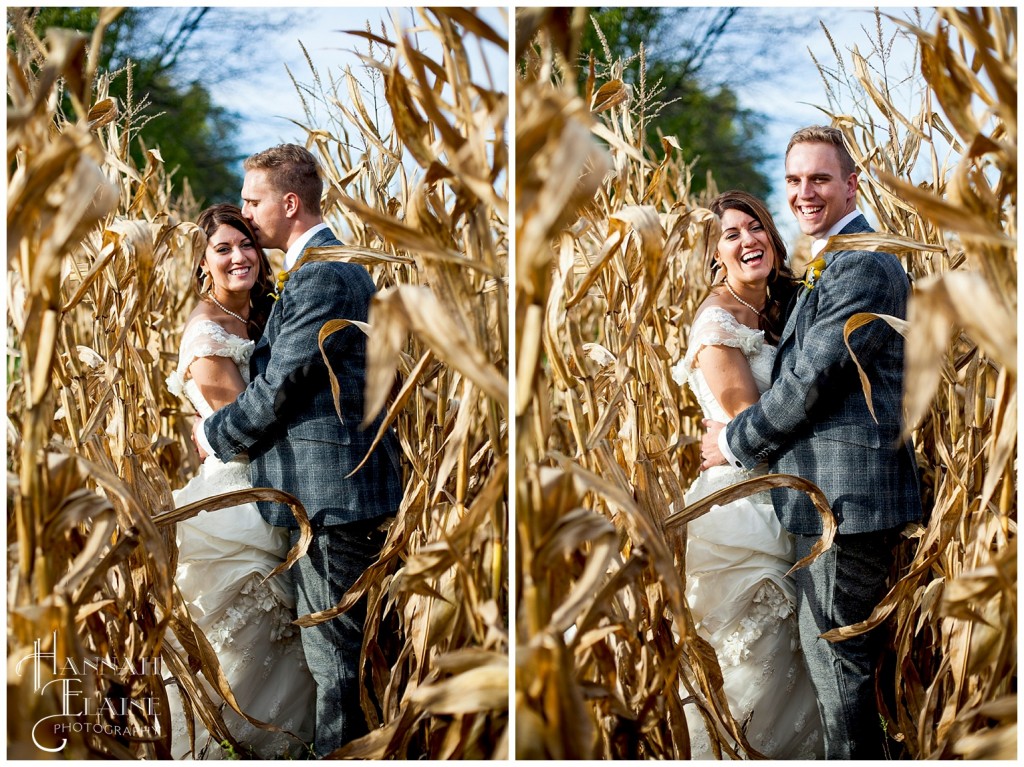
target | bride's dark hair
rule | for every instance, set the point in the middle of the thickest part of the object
(260, 299)
(782, 283)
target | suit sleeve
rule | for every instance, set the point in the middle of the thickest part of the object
(315, 294)
(856, 282)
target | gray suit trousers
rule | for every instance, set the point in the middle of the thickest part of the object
(337, 556)
(842, 587)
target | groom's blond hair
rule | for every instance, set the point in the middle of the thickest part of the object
(291, 168)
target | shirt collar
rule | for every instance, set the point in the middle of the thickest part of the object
(300, 245)
(819, 245)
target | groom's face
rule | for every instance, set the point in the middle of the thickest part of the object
(818, 192)
(263, 207)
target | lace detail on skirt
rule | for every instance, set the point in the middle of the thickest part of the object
(256, 601)
(260, 653)
(769, 607)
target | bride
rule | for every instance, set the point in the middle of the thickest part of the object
(737, 555)
(224, 556)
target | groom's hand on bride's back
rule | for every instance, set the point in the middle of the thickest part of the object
(709, 450)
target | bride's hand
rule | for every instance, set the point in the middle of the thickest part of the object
(709, 445)
(195, 441)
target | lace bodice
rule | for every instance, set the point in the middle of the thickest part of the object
(205, 338)
(717, 327)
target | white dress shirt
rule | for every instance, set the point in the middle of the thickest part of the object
(817, 246)
(290, 257)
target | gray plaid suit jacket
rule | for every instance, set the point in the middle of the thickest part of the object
(814, 421)
(286, 420)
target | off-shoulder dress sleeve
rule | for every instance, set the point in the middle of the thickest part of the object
(716, 327)
(204, 338)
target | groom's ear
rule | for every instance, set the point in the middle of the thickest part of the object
(291, 204)
(851, 185)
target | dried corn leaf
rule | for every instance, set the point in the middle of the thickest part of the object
(406, 309)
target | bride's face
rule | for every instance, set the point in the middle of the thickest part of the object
(745, 248)
(231, 259)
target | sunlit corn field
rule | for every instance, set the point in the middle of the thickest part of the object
(99, 258)
(608, 275)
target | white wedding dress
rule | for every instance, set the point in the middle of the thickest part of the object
(223, 557)
(742, 602)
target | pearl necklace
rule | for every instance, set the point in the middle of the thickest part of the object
(729, 288)
(239, 317)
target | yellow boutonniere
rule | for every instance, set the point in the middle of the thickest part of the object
(282, 278)
(814, 270)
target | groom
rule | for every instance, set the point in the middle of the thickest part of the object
(814, 422)
(287, 424)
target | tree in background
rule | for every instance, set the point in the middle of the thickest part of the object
(690, 56)
(163, 60)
